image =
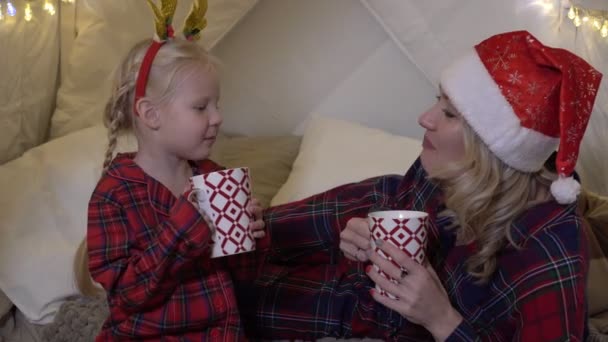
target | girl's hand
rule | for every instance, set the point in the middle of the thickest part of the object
(355, 240)
(257, 226)
(422, 299)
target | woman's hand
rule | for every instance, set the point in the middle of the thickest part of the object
(257, 226)
(422, 299)
(355, 240)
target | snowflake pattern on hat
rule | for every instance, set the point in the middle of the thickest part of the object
(524, 99)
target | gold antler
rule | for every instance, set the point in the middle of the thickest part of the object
(163, 18)
(196, 22)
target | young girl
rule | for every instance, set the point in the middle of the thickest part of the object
(507, 255)
(148, 244)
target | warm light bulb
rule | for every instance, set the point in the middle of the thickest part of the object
(10, 9)
(577, 21)
(585, 19)
(596, 24)
(49, 7)
(571, 13)
(604, 31)
(28, 12)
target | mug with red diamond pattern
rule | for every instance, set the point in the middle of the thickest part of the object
(224, 197)
(405, 229)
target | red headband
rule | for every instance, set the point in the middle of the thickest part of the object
(144, 72)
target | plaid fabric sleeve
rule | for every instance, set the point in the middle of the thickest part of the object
(300, 229)
(463, 333)
(544, 289)
(306, 230)
(139, 279)
(552, 304)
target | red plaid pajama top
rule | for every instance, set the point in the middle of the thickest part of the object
(149, 251)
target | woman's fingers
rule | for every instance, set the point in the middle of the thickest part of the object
(390, 303)
(349, 250)
(400, 257)
(360, 242)
(354, 240)
(357, 232)
(385, 283)
(386, 265)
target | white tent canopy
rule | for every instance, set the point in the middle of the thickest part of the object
(372, 61)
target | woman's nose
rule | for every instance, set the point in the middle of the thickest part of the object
(428, 119)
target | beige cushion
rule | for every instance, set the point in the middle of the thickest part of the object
(268, 158)
(335, 152)
(594, 209)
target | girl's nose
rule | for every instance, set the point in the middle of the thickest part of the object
(215, 119)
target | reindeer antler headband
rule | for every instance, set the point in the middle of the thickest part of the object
(163, 20)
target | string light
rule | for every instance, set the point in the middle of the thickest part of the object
(597, 24)
(571, 13)
(598, 19)
(7, 8)
(49, 7)
(10, 9)
(28, 12)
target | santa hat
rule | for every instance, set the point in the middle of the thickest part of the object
(524, 99)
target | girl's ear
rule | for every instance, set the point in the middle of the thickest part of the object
(148, 113)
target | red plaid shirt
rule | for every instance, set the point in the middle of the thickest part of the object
(308, 289)
(149, 251)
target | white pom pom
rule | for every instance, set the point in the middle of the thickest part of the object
(565, 190)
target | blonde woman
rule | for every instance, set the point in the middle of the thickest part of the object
(506, 259)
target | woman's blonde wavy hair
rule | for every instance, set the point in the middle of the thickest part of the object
(174, 61)
(484, 198)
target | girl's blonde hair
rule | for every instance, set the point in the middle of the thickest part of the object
(484, 198)
(174, 59)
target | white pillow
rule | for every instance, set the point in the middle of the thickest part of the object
(335, 152)
(106, 31)
(43, 212)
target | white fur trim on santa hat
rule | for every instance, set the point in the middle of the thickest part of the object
(471, 89)
(565, 189)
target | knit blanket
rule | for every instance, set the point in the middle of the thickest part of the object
(79, 319)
